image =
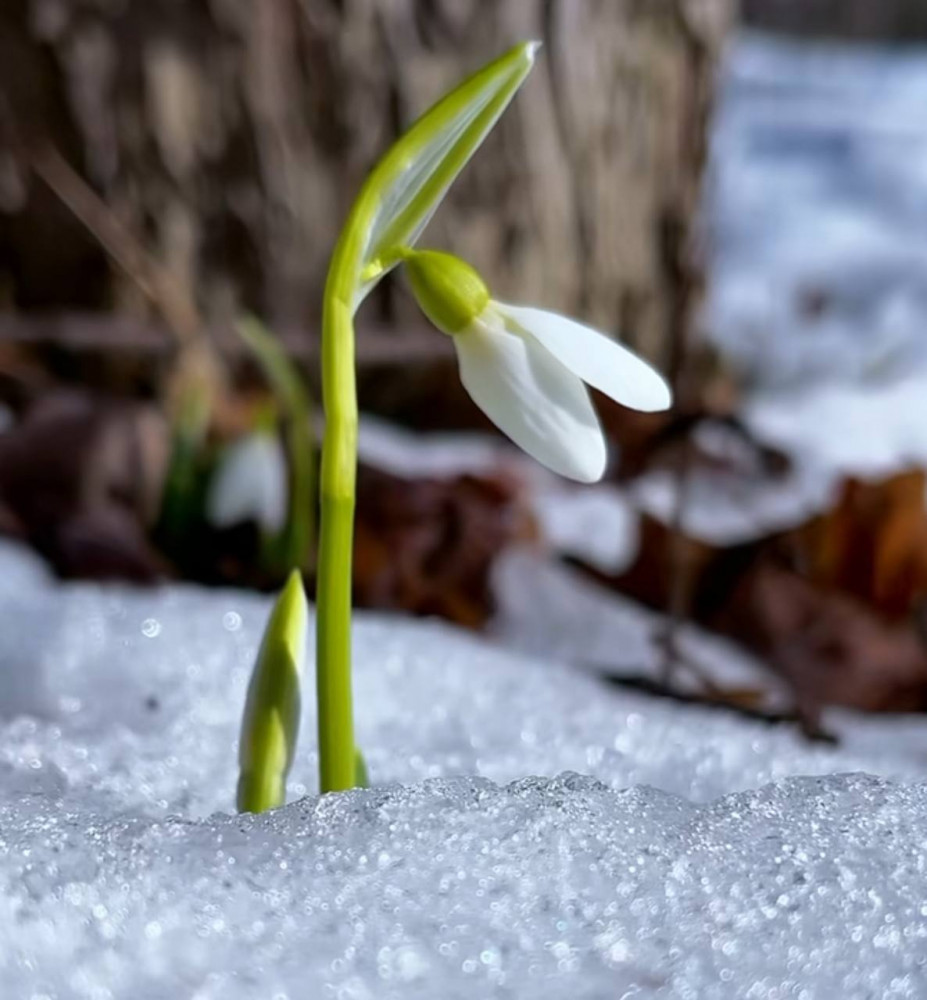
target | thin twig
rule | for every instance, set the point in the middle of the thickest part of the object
(679, 582)
(152, 279)
(39, 154)
(658, 689)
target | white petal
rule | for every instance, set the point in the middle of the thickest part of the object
(531, 397)
(250, 484)
(594, 357)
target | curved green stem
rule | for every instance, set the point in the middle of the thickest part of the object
(337, 769)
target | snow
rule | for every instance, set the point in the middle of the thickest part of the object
(671, 868)
(553, 612)
(457, 888)
(819, 190)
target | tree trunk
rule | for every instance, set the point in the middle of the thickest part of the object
(232, 135)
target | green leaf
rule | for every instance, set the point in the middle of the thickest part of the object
(287, 385)
(184, 484)
(407, 185)
(270, 726)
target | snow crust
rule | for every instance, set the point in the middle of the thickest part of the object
(672, 868)
(459, 888)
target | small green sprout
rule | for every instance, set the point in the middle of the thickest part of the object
(181, 499)
(270, 726)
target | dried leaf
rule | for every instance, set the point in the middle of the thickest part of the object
(427, 545)
(873, 544)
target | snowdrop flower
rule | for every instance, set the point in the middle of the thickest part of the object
(250, 484)
(527, 369)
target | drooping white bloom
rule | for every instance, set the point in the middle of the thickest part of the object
(250, 484)
(527, 369)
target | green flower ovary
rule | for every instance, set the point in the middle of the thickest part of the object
(448, 290)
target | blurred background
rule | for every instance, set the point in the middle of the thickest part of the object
(738, 193)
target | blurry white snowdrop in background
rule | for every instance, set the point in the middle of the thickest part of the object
(250, 484)
(527, 369)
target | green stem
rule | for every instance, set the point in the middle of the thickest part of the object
(337, 770)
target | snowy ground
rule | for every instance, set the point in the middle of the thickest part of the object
(672, 868)
(817, 223)
(700, 856)
(817, 212)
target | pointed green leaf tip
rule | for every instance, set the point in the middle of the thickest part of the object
(270, 725)
(407, 185)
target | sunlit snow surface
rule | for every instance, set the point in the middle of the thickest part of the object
(669, 870)
(817, 211)
(816, 230)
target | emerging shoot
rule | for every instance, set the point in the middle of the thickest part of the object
(270, 726)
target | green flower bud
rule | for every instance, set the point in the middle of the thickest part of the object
(450, 293)
(270, 726)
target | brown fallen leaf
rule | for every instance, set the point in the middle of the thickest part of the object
(873, 544)
(829, 646)
(80, 479)
(427, 545)
(836, 606)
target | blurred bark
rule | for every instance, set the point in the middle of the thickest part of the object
(897, 20)
(231, 136)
